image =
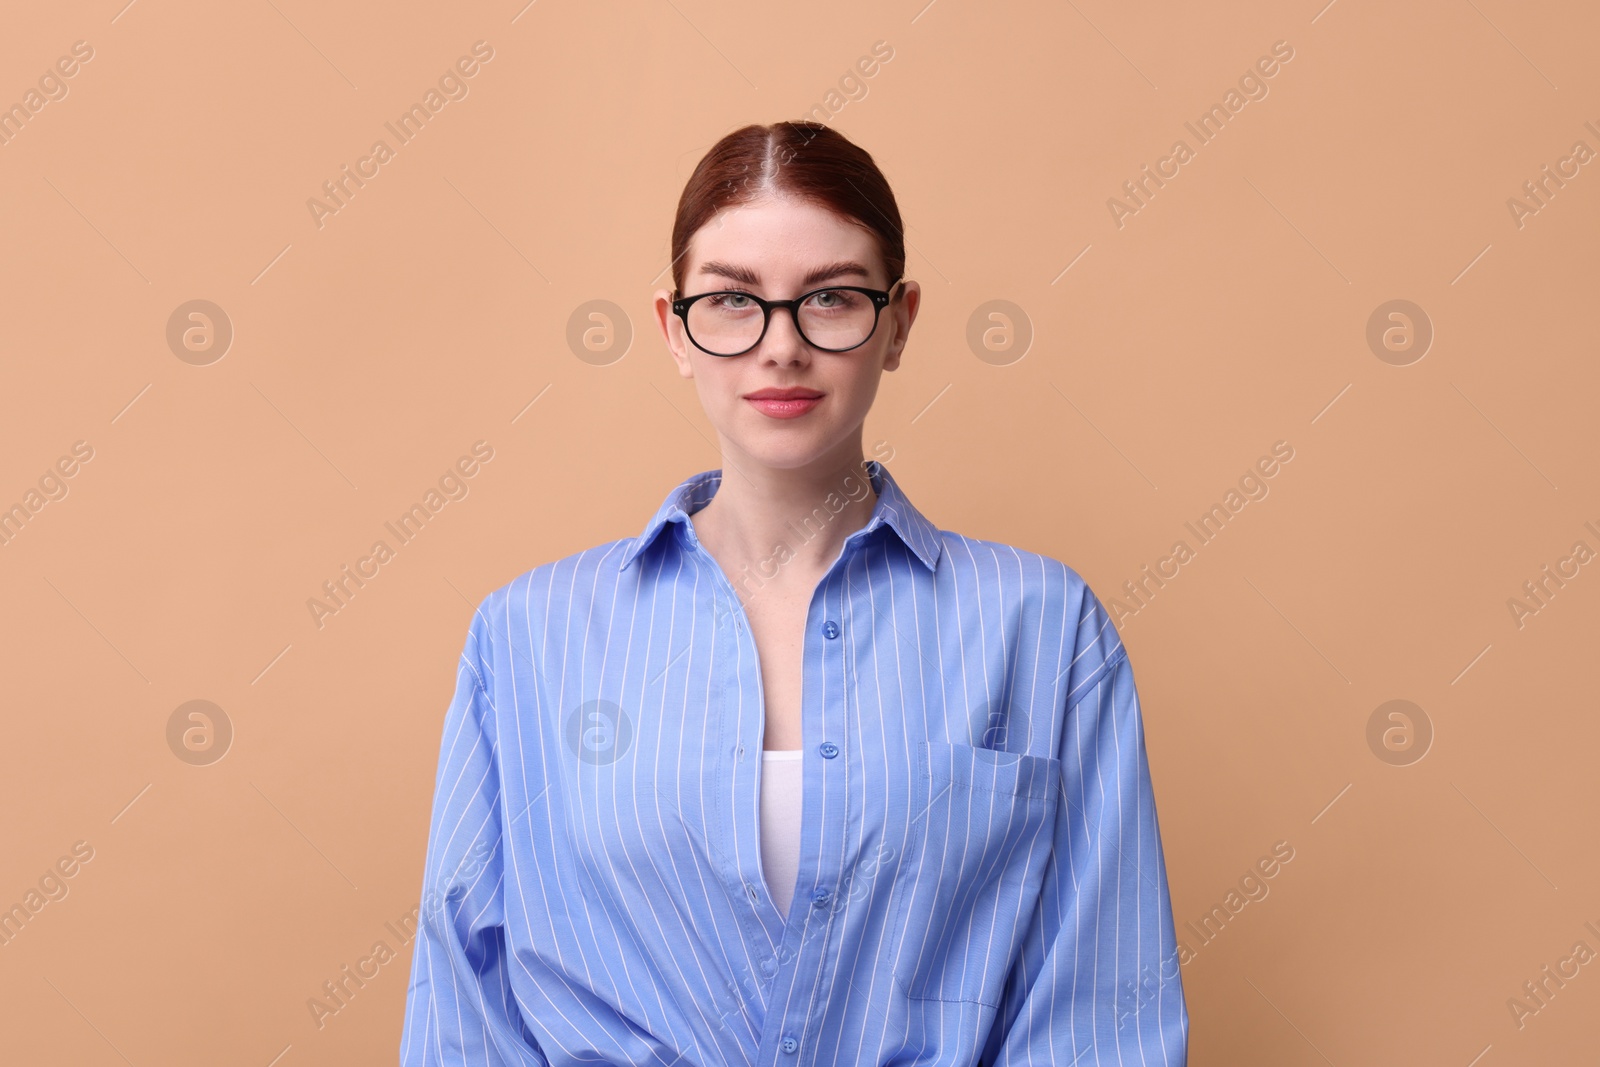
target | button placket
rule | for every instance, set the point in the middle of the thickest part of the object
(738, 661)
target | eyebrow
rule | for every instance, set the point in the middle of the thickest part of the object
(734, 272)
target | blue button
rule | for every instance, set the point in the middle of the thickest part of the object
(820, 897)
(769, 967)
(830, 629)
(790, 1045)
(828, 749)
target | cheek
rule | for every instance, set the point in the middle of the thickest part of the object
(857, 389)
(719, 386)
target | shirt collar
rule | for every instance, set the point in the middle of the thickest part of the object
(892, 508)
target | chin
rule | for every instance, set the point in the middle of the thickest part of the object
(783, 451)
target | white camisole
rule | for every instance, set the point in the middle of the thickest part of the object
(780, 823)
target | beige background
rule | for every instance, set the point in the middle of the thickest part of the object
(1229, 313)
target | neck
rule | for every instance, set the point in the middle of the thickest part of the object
(782, 526)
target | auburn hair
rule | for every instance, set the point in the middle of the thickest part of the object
(802, 159)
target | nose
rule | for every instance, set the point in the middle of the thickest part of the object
(783, 343)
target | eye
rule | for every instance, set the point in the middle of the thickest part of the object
(730, 301)
(835, 300)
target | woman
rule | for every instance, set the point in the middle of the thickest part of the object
(793, 776)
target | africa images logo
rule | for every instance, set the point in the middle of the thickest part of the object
(452, 85)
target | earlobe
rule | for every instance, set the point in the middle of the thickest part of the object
(681, 358)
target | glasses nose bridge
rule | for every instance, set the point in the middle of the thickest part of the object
(769, 306)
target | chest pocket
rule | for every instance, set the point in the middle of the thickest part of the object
(975, 859)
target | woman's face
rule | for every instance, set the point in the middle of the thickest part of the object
(779, 248)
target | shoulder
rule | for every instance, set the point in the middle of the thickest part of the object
(514, 608)
(598, 563)
(1043, 581)
(1049, 589)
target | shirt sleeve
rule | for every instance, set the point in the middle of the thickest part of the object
(460, 1008)
(1098, 980)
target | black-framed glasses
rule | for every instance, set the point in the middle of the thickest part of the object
(728, 322)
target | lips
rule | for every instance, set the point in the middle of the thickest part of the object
(784, 394)
(784, 403)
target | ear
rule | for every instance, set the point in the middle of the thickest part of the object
(902, 313)
(671, 327)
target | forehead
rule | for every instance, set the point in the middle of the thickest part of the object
(781, 239)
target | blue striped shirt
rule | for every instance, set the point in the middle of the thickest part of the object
(980, 877)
